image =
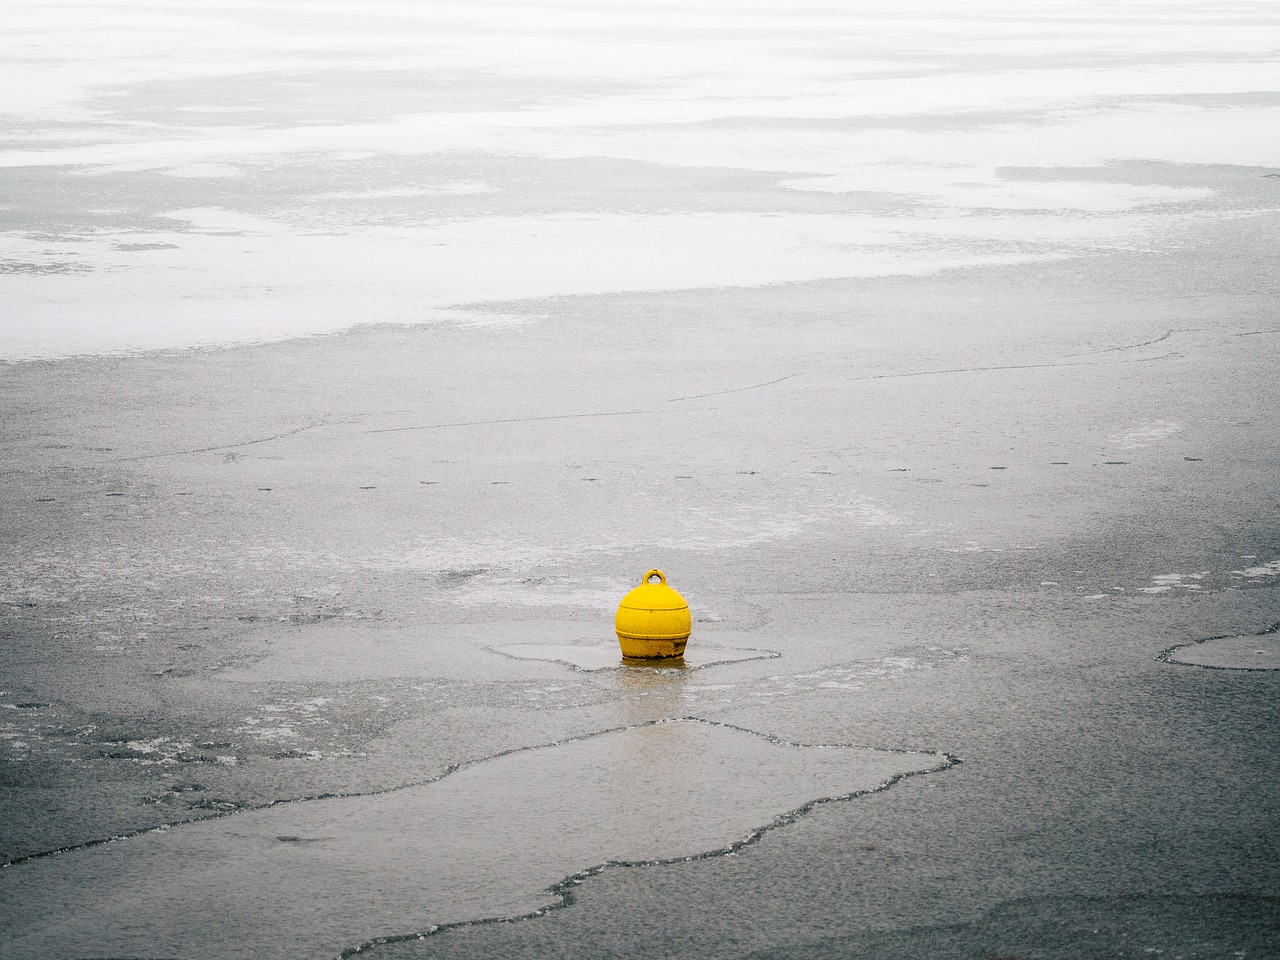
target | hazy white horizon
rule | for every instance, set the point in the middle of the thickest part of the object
(193, 174)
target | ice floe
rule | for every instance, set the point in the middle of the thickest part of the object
(487, 840)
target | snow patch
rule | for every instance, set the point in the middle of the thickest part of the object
(1144, 435)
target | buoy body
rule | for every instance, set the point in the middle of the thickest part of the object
(653, 621)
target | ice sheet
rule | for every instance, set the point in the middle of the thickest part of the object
(1249, 652)
(607, 656)
(313, 878)
(917, 126)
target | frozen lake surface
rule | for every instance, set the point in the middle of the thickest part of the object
(1256, 652)
(358, 358)
(605, 656)
(201, 174)
(488, 840)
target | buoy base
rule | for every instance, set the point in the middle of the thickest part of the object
(649, 648)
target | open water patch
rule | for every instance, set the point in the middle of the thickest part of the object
(505, 837)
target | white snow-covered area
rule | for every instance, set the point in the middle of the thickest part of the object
(1144, 435)
(982, 136)
(1259, 571)
(1167, 582)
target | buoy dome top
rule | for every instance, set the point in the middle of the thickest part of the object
(654, 596)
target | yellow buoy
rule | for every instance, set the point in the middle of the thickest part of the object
(653, 621)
